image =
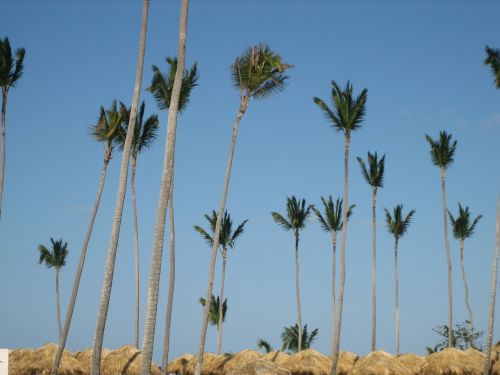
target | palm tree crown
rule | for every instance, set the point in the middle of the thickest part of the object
(214, 309)
(296, 212)
(227, 237)
(442, 149)
(493, 60)
(349, 112)
(374, 174)
(290, 335)
(332, 221)
(10, 70)
(56, 257)
(462, 227)
(397, 225)
(107, 128)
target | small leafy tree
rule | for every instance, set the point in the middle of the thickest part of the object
(464, 337)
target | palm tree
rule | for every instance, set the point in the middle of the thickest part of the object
(106, 130)
(332, 223)
(10, 72)
(442, 152)
(397, 226)
(227, 239)
(463, 229)
(493, 60)
(55, 258)
(120, 198)
(291, 336)
(258, 73)
(217, 310)
(145, 132)
(374, 176)
(264, 345)
(296, 216)
(346, 116)
(493, 295)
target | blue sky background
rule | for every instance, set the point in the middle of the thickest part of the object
(422, 63)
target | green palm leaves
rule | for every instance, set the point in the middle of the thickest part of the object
(11, 67)
(227, 237)
(290, 338)
(374, 173)
(462, 226)
(107, 128)
(213, 316)
(56, 256)
(397, 225)
(331, 221)
(296, 215)
(442, 149)
(493, 60)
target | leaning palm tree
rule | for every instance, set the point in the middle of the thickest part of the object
(264, 345)
(442, 153)
(374, 176)
(296, 216)
(227, 239)
(397, 226)
(493, 60)
(105, 131)
(11, 71)
(217, 310)
(291, 336)
(145, 132)
(346, 116)
(463, 228)
(258, 74)
(55, 258)
(332, 222)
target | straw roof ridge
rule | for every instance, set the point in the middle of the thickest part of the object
(452, 361)
(308, 362)
(379, 363)
(259, 367)
(276, 356)
(126, 360)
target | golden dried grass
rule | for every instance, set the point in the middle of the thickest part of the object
(125, 360)
(276, 356)
(451, 361)
(379, 363)
(308, 362)
(258, 367)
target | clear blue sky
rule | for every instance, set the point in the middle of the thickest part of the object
(422, 63)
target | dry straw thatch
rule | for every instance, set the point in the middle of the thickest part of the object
(85, 358)
(451, 361)
(40, 362)
(495, 369)
(346, 362)
(308, 362)
(259, 367)
(275, 356)
(411, 362)
(239, 359)
(185, 364)
(125, 360)
(180, 365)
(379, 363)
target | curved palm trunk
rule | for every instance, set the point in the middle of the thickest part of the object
(493, 295)
(58, 305)
(2, 168)
(81, 263)
(396, 293)
(165, 191)
(171, 282)
(469, 309)
(374, 270)
(221, 301)
(213, 257)
(120, 198)
(136, 251)
(338, 322)
(334, 268)
(448, 259)
(297, 292)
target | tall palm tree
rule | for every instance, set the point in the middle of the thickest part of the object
(145, 132)
(463, 228)
(11, 71)
(493, 60)
(120, 198)
(258, 74)
(397, 226)
(346, 116)
(217, 310)
(332, 223)
(442, 153)
(227, 239)
(291, 336)
(374, 176)
(296, 216)
(106, 130)
(55, 258)
(493, 295)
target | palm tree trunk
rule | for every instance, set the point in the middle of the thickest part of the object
(58, 306)
(79, 270)
(2, 168)
(396, 293)
(120, 198)
(136, 251)
(493, 295)
(448, 258)
(221, 302)
(297, 292)
(165, 191)
(171, 282)
(374, 270)
(338, 323)
(469, 309)
(334, 268)
(213, 257)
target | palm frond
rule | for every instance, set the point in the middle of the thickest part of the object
(396, 224)
(263, 344)
(442, 149)
(10, 70)
(493, 60)
(208, 239)
(461, 225)
(374, 174)
(56, 256)
(281, 221)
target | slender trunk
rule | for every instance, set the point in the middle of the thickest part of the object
(221, 301)
(120, 198)
(165, 191)
(448, 259)
(338, 322)
(79, 270)
(171, 282)
(396, 293)
(58, 305)
(213, 257)
(334, 268)
(493, 295)
(374, 269)
(297, 292)
(469, 309)
(136, 251)
(2, 168)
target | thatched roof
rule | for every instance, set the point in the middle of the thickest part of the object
(85, 358)
(180, 365)
(239, 359)
(451, 361)
(212, 364)
(412, 362)
(125, 360)
(276, 356)
(379, 363)
(495, 369)
(40, 362)
(346, 362)
(258, 367)
(308, 362)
